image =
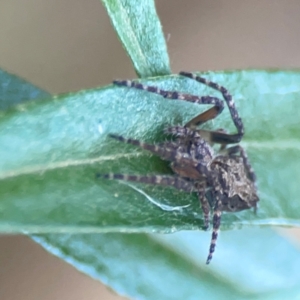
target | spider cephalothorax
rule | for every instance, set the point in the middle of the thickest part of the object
(223, 181)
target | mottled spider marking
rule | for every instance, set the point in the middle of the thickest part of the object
(226, 178)
(238, 150)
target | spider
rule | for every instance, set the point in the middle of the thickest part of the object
(223, 181)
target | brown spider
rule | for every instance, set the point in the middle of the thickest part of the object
(226, 178)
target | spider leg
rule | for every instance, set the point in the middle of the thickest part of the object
(204, 117)
(214, 136)
(165, 150)
(191, 134)
(204, 205)
(216, 226)
(168, 151)
(199, 184)
(173, 95)
(220, 137)
(196, 146)
(163, 180)
(181, 131)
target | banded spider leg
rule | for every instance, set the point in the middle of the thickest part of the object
(197, 168)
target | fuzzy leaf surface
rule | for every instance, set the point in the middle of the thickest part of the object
(52, 149)
(244, 259)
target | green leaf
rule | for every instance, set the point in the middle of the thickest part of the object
(53, 149)
(250, 264)
(171, 266)
(139, 29)
(14, 90)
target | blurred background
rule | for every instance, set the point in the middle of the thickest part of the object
(64, 45)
